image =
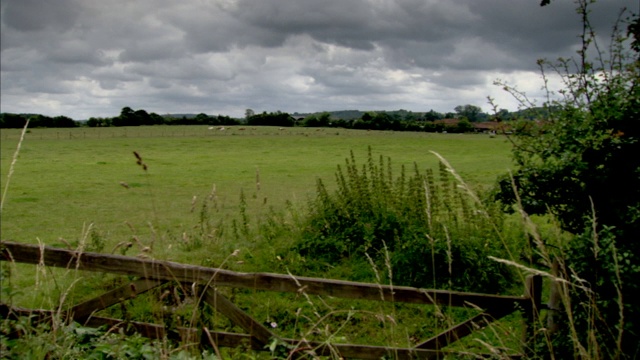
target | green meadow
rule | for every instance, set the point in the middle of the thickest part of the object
(86, 187)
(66, 179)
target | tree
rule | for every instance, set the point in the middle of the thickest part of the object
(322, 120)
(126, 112)
(156, 119)
(464, 126)
(271, 119)
(432, 115)
(8, 120)
(471, 112)
(502, 115)
(41, 121)
(580, 162)
(125, 118)
(202, 119)
(225, 120)
(98, 122)
(64, 122)
(130, 117)
(141, 117)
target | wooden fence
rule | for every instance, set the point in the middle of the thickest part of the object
(150, 274)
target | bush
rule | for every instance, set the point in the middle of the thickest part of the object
(435, 235)
(580, 163)
(609, 271)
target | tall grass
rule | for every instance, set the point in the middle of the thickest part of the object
(574, 325)
(11, 167)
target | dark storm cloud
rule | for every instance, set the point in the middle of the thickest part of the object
(346, 23)
(91, 57)
(37, 15)
(481, 33)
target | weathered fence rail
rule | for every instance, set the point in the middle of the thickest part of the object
(153, 273)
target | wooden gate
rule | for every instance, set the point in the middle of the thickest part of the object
(150, 274)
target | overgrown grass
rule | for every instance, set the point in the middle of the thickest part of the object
(198, 199)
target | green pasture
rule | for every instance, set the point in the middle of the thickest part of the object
(74, 186)
(66, 179)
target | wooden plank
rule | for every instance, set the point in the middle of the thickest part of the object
(165, 270)
(353, 351)
(151, 331)
(461, 330)
(155, 331)
(35, 315)
(258, 332)
(556, 293)
(225, 339)
(230, 340)
(128, 291)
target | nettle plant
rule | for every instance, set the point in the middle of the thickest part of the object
(421, 225)
(579, 162)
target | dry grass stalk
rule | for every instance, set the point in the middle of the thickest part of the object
(13, 163)
(478, 202)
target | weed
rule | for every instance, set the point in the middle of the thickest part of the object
(97, 241)
(416, 217)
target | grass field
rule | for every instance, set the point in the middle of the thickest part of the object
(65, 179)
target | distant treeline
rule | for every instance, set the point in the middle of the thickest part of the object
(467, 118)
(127, 117)
(390, 121)
(18, 120)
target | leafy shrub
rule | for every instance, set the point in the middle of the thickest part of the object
(580, 163)
(435, 234)
(70, 341)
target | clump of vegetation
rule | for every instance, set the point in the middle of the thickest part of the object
(579, 162)
(21, 339)
(436, 235)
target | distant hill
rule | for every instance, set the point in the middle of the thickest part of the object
(338, 114)
(179, 116)
(355, 114)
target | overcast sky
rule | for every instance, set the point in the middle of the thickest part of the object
(84, 58)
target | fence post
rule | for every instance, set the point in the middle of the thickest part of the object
(532, 291)
(555, 298)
